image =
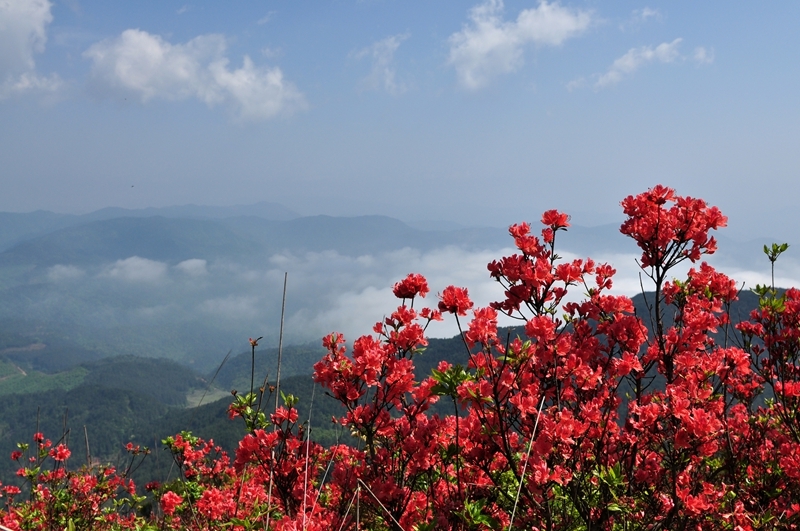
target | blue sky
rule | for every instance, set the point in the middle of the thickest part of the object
(481, 113)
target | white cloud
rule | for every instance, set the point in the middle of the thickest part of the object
(194, 267)
(149, 67)
(703, 56)
(490, 46)
(271, 53)
(60, 272)
(575, 84)
(184, 8)
(639, 17)
(23, 33)
(30, 82)
(383, 74)
(635, 58)
(137, 269)
(645, 13)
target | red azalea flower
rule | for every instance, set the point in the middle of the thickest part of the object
(60, 453)
(555, 220)
(455, 300)
(169, 501)
(411, 286)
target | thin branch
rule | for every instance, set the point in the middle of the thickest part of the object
(525, 465)
(382, 505)
(308, 446)
(88, 453)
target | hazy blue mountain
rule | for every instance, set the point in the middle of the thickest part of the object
(434, 224)
(18, 227)
(263, 209)
(155, 238)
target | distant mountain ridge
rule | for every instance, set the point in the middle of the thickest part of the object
(262, 209)
(17, 227)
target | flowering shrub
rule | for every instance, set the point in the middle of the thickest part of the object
(90, 498)
(587, 421)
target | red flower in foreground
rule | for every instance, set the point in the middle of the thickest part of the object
(555, 219)
(60, 453)
(170, 501)
(455, 300)
(411, 286)
(668, 234)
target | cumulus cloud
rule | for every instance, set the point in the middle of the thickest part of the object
(635, 58)
(639, 17)
(575, 84)
(194, 267)
(645, 13)
(148, 67)
(60, 272)
(703, 56)
(137, 269)
(23, 33)
(383, 74)
(489, 45)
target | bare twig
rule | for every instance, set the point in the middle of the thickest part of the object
(525, 465)
(88, 453)
(280, 342)
(191, 419)
(308, 446)
(381, 504)
(344, 518)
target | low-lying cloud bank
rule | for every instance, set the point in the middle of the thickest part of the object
(219, 304)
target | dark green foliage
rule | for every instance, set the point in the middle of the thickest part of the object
(14, 382)
(110, 416)
(166, 381)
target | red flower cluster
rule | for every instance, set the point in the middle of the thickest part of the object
(60, 453)
(411, 286)
(455, 300)
(669, 235)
